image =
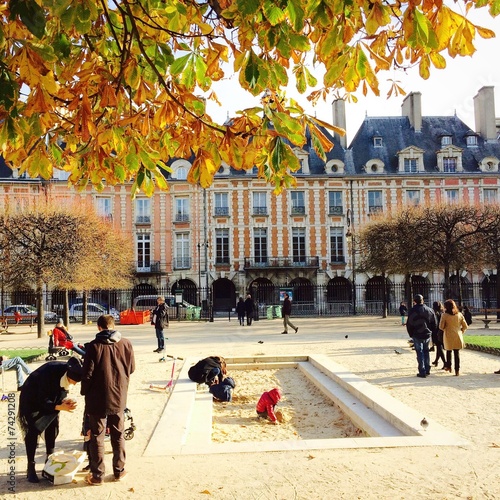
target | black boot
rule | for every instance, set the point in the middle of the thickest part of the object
(31, 475)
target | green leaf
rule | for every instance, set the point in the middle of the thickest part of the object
(61, 45)
(273, 13)
(248, 7)
(299, 42)
(296, 14)
(132, 161)
(179, 64)
(252, 72)
(31, 14)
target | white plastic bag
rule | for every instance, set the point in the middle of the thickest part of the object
(61, 466)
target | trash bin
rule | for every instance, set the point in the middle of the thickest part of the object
(269, 312)
(277, 311)
(197, 312)
(189, 313)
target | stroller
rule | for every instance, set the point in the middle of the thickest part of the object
(53, 350)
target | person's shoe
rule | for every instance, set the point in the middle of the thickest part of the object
(283, 333)
(420, 375)
(434, 363)
(161, 350)
(31, 474)
(447, 369)
(121, 476)
(457, 373)
(93, 481)
(157, 350)
(497, 372)
(296, 329)
(427, 373)
(86, 468)
(432, 349)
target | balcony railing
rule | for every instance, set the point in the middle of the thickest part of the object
(147, 267)
(182, 263)
(181, 217)
(282, 262)
(221, 211)
(335, 210)
(260, 210)
(222, 261)
(143, 219)
(375, 209)
(298, 210)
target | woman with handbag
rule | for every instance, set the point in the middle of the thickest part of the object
(454, 326)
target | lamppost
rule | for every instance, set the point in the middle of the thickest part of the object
(352, 240)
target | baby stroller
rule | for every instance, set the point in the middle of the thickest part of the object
(129, 431)
(53, 350)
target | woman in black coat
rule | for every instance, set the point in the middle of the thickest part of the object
(208, 371)
(437, 336)
(43, 396)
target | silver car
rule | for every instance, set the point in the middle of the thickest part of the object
(94, 310)
(28, 314)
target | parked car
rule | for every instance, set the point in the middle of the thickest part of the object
(28, 313)
(148, 302)
(94, 310)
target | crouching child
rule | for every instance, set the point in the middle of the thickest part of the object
(267, 403)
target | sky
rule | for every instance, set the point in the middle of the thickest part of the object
(445, 93)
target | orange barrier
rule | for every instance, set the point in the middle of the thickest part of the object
(131, 317)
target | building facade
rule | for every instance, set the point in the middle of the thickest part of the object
(237, 237)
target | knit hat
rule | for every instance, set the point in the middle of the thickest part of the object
(74, 369)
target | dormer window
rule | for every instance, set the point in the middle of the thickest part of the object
(334, 167)
(223, 170)
(377, 142)
(446, 140)
(180, 169)
(449, 159)
(471, 141)
(411, 160)
(411, 165)
(374, 166)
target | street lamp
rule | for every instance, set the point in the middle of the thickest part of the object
(351, 239)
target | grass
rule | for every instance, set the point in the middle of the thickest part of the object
(28, 354)
(483, 340)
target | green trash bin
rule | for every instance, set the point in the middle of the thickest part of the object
(189, 313)
(197, 313)
(269, 312)
(277, 311)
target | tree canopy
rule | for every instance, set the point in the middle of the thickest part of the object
(111, 91)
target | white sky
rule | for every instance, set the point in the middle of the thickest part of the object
(445, 93)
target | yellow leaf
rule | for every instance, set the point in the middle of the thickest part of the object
(423, 67)
(438, 60)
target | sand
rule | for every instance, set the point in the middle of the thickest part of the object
(468, 404)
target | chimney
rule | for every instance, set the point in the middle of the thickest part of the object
(484, 114)
(412, 108)
(338, 109)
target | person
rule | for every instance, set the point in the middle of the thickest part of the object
(454, 326)
(21, 368)
(267, 403)
(437, 336)
(240, 311)
(108, 364)
(43, 396)
(62, 338)
(497, 372)
(223, 390)
(467, 315)
(249, 309)
(17, 317)
(286, 310)
(208, 371)
(403, 311)
(160, 321)
(420, 325)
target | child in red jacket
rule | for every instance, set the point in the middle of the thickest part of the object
(267, 403)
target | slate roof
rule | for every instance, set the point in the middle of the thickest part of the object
(397, 134)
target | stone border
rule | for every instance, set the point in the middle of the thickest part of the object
(185, 426)
(489, 350)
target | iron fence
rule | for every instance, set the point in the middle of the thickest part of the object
(333, 299)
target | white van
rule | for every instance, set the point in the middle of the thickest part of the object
(148, 302)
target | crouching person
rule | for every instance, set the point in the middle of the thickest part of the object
(43, 396)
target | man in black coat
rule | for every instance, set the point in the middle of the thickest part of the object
(249, 309)
(160, 320)
(109, 362)
(43, 396)
(420, 325)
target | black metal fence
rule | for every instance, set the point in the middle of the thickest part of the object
(334, 299)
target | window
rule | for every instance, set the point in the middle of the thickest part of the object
(259, 203)
(337, 244)
(143, 252)
(299, 245)
(222, 246)
(143, 211)
(298, 204)
(375, 202)
(413, 197)
(335, 202)
(260, 245)
(452, 195)
(471, 141)
(103, 207)
(221, 204)
(490, 195)
(377, 142)
(182, 251)
(449, 165)
(181, 209)
(446, 140)
(411, 165)
(181, 173)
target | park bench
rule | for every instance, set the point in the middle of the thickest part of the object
(487, 311)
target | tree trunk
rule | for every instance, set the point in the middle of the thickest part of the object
(66, 307)
(40, 325)
(84, 307)
(384, 296)
(446, 283)
(459, 281)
